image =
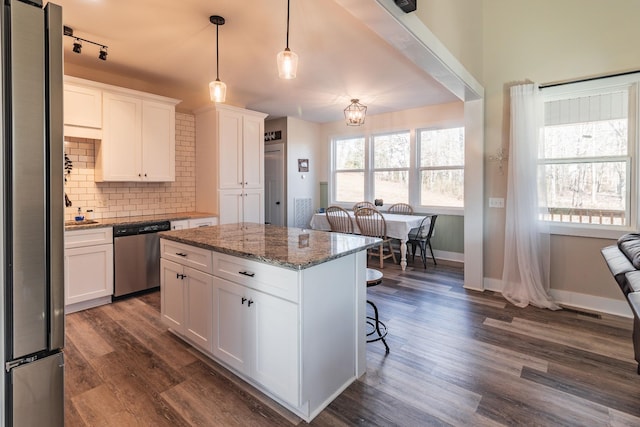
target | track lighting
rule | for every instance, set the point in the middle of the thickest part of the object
(77, 46)
(77, 43)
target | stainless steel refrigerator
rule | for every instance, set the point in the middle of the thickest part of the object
(31, 214)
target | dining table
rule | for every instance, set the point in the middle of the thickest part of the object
(398, 227)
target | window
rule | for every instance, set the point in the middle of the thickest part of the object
(441, 167)
(391, 160)
(424, 168)
(585, 165)
(349, 169)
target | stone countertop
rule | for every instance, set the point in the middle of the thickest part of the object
(292, 248)
(129, 220)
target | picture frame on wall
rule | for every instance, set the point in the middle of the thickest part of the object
(303, 165)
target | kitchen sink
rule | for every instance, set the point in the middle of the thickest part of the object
(83, 222)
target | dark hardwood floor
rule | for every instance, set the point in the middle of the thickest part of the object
(457, 357)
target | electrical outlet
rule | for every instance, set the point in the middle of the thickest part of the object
(496, 202)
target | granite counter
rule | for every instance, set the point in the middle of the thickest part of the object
(292, 248)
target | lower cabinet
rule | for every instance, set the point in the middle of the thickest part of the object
(257, 334)
(88, 268)
(186, 302)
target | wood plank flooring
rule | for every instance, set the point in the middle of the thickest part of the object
(458, 357)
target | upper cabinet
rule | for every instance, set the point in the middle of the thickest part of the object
(134, 131)
(230, 163)
(82, 111)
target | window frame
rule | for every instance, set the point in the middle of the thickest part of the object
(369, 171)
(420, 169)
(629, 82)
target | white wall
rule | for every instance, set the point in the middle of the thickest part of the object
(303, 142)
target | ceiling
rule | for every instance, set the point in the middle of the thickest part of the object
(168, 47)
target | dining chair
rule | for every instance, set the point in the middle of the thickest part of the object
(339, 219)
(401, 208)
(372, 223)
(421, 236)
(364, 204)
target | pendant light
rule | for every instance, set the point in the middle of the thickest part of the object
(287, 60)
(217, 89)
(355, 113)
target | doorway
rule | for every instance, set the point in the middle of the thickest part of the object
(275, 202)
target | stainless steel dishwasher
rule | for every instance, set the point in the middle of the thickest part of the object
(136, 254)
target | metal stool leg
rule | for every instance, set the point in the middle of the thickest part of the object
(378, 326)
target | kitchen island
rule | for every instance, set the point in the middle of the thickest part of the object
(283, 308)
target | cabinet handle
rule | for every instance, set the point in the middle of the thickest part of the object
(243, 300)
(249, 303)
(181, 254)
(140, 175)
(246, 273)
(145, 175)
(180, 276)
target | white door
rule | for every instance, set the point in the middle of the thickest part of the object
(253, 206)
(274, 175)
(158, 142)
(198, 317)
(231, 334)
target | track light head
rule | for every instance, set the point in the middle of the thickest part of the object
(77, 46)
(103, 53)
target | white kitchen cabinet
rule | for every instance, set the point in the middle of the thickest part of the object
(182, 224)
(230, 157)
(88, 268)
(187, 302)
(241, 206)
(138, 139)
(82, 110)
(203, 222)
(257, 334)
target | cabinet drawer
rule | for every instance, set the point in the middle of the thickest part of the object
(190, 256)
(270, 279)
(88, 237)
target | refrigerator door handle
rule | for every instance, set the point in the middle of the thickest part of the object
(55, 156)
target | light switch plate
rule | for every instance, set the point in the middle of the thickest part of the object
(496, 202)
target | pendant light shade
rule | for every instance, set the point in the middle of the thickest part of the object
(287, 64)
(217, 89)
(355, 113)
(287, 60)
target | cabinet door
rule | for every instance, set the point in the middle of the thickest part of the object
(82, 106)
(158, 141)
(198, 317)
(88, 273)
(172, 295)
(276, 348)
(119, 153)
(231, 338)
(230, 149)
(253, 151)
(253, 206)
(231, 206)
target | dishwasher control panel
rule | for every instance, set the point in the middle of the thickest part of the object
(131, 230)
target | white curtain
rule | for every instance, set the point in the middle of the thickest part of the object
(525, 275)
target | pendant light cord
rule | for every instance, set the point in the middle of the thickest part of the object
(217, 57)
(288, 1)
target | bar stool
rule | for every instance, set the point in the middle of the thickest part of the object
(378, 328)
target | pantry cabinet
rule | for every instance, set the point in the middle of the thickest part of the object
(230, 163)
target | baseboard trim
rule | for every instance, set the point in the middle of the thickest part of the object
(576, 300)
